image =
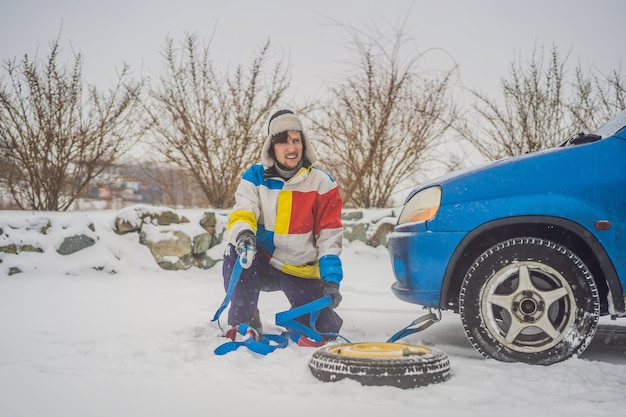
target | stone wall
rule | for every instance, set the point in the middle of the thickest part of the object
(174, 242)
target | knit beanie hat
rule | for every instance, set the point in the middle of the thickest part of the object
(282, 121)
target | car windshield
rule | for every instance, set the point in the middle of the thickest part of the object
(613, 126)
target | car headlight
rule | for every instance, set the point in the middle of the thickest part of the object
(422, 206)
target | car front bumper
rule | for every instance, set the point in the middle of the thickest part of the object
(419, 260)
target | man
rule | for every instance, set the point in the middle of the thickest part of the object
(286, 227)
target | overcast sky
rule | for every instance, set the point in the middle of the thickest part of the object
(482, 36)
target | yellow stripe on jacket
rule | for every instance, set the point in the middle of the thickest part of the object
(243, 216)
(283, 212)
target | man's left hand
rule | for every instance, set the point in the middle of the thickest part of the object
(332, 289)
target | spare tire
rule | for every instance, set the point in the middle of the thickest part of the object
(396, 364)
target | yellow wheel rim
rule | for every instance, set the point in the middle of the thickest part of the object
(378, 350)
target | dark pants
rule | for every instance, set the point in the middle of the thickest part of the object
(261, 276)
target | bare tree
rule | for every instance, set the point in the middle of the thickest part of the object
(383, 121)
(597, 98)
(540, 108)
(532, 116)
(210, 124)
(54, 139)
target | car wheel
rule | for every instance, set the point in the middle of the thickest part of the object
(395, 364)
(529, 300)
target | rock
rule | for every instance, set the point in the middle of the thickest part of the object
(16, 249)
(164, 218)
(72, 244)
(356, 231)
(172, 263)
(125, 226)
(208, 221)
(168, 247)
(204, 261)
(351, 215)
(379, 237)
(202, 243)
(39, 224)
(30, 248)
(11, 248)
(132, 218)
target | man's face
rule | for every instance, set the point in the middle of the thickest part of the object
(289, 154)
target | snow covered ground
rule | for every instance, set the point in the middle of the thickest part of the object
(81, 343)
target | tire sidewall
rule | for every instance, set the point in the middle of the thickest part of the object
(402, 372)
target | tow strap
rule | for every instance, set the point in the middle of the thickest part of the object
(422, 323)
(267, 343)
(234, 278)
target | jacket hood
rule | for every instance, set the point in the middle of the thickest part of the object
(283, 123)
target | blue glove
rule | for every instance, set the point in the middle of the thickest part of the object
(332, 289)
(246, 247)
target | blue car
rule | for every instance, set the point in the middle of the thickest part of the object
(530, 251)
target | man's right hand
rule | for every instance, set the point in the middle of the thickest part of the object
(246, 247)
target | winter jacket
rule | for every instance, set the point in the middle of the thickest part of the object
(297, 221)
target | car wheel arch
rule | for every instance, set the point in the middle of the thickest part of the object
(557, 229)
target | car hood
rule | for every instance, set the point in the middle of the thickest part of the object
(533, 172)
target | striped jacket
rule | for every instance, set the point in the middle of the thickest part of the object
(297, 222)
